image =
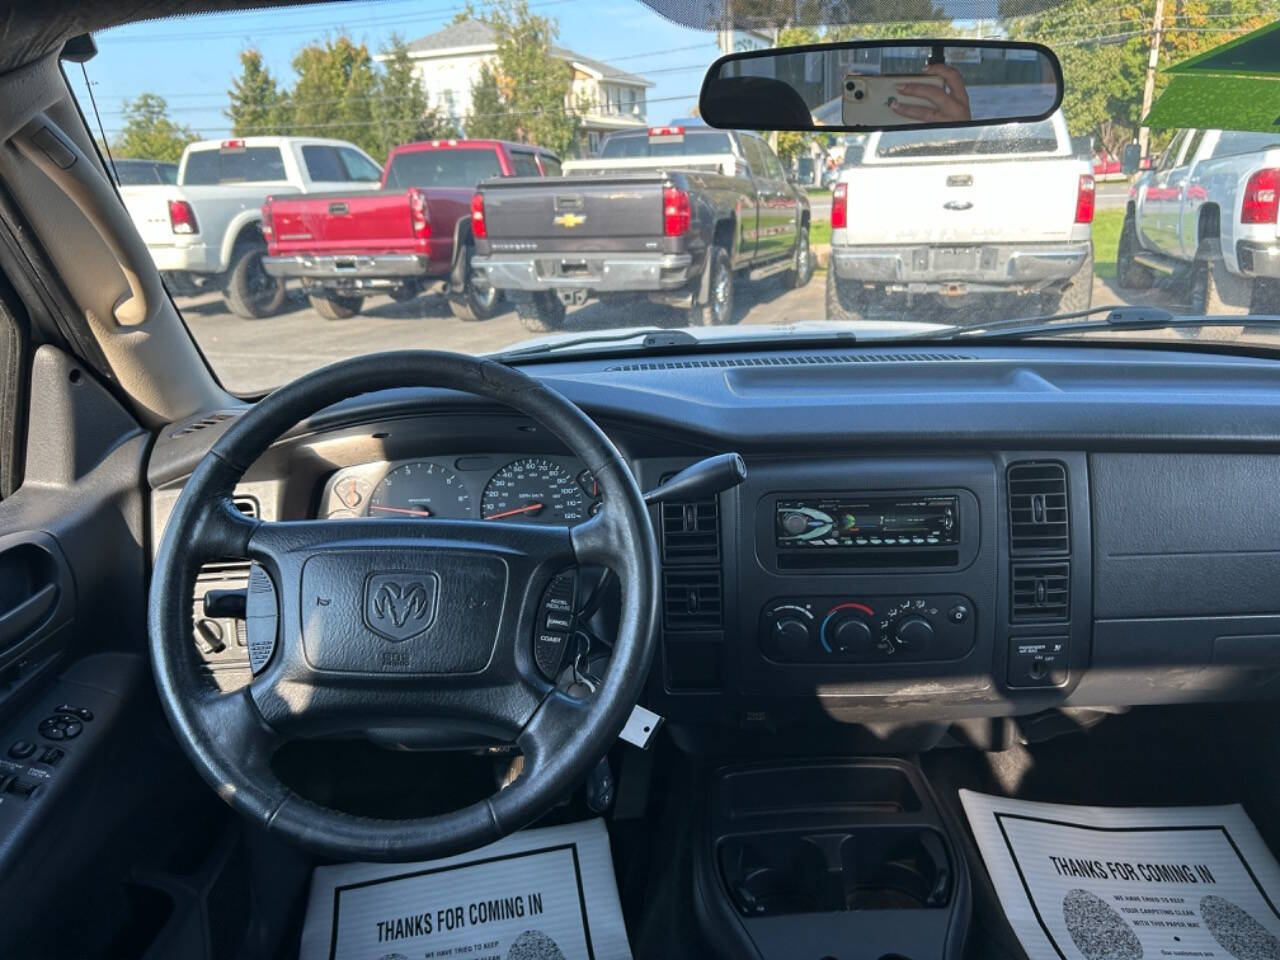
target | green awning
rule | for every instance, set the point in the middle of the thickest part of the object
(1235, 86)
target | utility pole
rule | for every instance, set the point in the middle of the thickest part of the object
(1148, 88)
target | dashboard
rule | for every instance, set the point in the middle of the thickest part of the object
(921, 538)
(511, 487)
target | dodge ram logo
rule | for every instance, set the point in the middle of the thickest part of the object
(399, 607)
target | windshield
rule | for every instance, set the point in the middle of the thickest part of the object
(352, 178)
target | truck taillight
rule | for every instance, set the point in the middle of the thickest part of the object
(1085, 197)
(182, 219)
(267, 229)
(840, 206)
(479, 229)
(418, 219)
(1261, 197)
(675, 212)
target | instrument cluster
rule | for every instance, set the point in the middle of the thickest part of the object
(512, 488)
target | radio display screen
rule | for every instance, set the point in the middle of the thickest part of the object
(860, 523)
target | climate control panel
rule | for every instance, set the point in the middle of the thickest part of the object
(867, 629)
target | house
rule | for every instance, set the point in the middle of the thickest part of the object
(448, 63)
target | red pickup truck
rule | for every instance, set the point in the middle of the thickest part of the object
(413, 233)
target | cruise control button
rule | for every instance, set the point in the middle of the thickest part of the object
(548, 653)
(52, 756)
(22, 788)
(558, 621)
(22, 749)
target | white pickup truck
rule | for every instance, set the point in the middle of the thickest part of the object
(205, 232)
(949, 215)
(1205, 219)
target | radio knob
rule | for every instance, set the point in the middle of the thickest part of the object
(913, 634)
(795, 523)
(791, 640)
(849, 634)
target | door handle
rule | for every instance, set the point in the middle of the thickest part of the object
(21, 619)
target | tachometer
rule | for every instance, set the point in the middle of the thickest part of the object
(534, 490)
(421, 489)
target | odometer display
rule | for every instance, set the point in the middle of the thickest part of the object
(421, 489)
(534, 490)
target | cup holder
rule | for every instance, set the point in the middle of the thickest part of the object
(867, 868)
(895, 869)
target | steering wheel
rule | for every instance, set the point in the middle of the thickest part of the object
(420, 624)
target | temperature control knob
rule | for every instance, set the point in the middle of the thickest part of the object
(791, 640)
(913, 634)
(848, 633)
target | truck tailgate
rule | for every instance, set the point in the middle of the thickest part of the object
(598, 212)
(1023, 200)
(340, 222)
(148, 208)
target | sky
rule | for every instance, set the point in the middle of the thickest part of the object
(191, 61)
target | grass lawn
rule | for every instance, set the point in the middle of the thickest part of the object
(820, 232)
(818, 191)
(1106, 238)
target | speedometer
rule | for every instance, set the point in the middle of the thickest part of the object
(421, 489)
(534, 490)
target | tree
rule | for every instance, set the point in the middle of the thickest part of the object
(792, 144)
(1104, 50)
(335, 93)
(402, 110)
(257, 105)
(149, 133)
(526, 81)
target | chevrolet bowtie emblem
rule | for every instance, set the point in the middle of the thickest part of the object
(569, 220)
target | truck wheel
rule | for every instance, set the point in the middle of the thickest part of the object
(1129, 274)
(331, 306)
(1203, 293)
(1077, 295)
(801, 271)
(541, 312)
(717, 278)
(251, 292)
(847, 301)
(476, 303)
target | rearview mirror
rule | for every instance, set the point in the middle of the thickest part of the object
(882, 84)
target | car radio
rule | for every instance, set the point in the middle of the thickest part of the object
(866, 523)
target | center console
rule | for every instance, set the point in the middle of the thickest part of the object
(817, 860)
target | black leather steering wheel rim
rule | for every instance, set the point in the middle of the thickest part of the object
(230, 737)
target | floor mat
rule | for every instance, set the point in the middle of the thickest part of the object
(546, 894)
(1104, 883)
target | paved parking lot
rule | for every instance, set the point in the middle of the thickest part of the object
(254, 355)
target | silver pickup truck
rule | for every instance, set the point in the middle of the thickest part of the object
(1205, 219)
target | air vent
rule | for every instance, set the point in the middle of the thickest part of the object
(691, 532)
(1038, 521)
(247, 505)
(692, 600)
(197, 425)
(1041, 592)
(790, 360)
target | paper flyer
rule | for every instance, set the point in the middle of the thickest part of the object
(547, 894)
(1102, 883)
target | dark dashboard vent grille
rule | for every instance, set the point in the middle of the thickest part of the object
(790, 360)
(196, 425)
(1041, 592)
(691, 532)
(692, 600)
(1038, 521)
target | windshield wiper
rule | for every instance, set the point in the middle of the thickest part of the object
(1116, 318)
(652, 337)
